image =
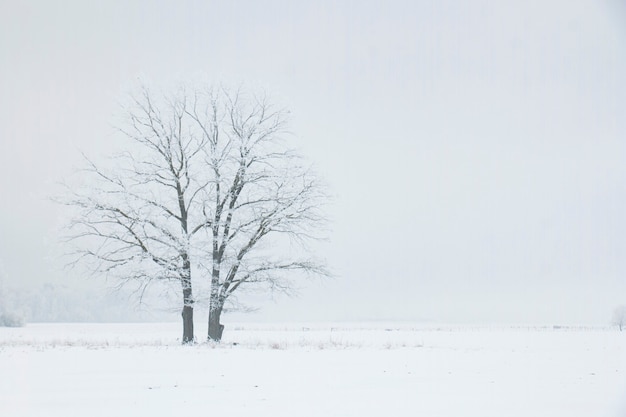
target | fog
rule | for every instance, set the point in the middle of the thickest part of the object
(475, 151)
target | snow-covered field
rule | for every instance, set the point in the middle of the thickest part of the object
(312, 370)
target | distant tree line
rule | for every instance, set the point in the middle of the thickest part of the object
(61, 303)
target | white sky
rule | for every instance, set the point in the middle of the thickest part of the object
(476, 148)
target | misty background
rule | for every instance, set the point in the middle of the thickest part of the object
(475, 149)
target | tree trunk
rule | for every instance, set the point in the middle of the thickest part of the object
(187, 313)
(215, 327)
(187, 324)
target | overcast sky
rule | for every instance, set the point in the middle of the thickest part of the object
(476, 149)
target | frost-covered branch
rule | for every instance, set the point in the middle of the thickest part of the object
(207, 187)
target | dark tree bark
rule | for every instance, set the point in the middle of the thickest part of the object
(215, 327)
(187, 314)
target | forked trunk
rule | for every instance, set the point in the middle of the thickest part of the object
(215, 327)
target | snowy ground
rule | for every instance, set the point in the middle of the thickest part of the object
(312, 370)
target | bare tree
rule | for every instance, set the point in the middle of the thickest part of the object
(137, 219)
(207, 188)
(619, 317)
(260, 194)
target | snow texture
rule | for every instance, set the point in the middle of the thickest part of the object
(313, 370)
